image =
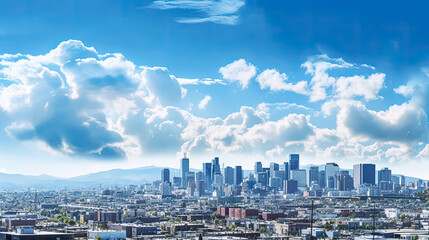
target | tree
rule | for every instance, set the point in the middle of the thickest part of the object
(367, 227)
(262, 229)
(98, 238)
(402, 217)
(353, 215)
(415, 237)
(328, 226)
(177, 219)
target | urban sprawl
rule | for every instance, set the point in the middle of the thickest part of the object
(279, 201)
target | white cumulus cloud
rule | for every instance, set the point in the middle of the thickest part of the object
(239, 71)
(275, 81)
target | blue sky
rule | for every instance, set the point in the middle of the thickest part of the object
(95, 85)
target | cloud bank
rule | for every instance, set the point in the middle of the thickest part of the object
(76, 101)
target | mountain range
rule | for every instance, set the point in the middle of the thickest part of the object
(110, 178)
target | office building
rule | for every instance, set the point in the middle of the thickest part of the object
(345, 181)
(294, 161)
(215, 168)
(257, 168)
(165, 175)
(190, 177)
(238, 175)
(276, 182)
(313, 175)
(228, 175)
(184, 169)
(299, 175)
(273, 167)
(322, 179)
(363, 173)
(290, 186)
(262, 178)
(331, 173)
(207, 170)
(287, 170)
(384, 174)
(402, 180)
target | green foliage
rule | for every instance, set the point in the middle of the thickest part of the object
(367, 227)
(415, 237)
(402, 217)
(353, 215)
(177, 219)
(98, 238)
(328, 226)
(262, 229)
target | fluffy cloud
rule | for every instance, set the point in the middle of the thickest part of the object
(71, 98)
(343, 86)
(76, 101)
(221, 12)
(162, 85)
(239, 71)
(367, 87)
(275, 81)
(204, 102)
(403, 123)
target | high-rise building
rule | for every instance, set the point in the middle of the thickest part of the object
(267, 170)
(345, 181)
(199, 176)
(165, 175)
(228, 175)
(287, 170)
(190, 177)
(207, 170)
(199, 185)
(165, 188)
(363, 173)
(331, 172)
(215, 167)
(273, 167)
(402, 180)
(313, 175)
(280, 174)
(276, 182)
(258, 168)
(290, 186)
(184, 168)
(322, 178)
(218, 179)
(384, 174)
(262, 178)
(299, 175)
(238, 175)
(294, 161)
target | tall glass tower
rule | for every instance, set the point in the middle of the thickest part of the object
(184, 169)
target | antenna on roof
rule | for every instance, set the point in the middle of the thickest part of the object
(185, 154)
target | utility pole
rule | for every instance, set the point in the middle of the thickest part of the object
(373, 222)
(311, 219)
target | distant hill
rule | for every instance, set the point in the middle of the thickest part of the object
(114, 177)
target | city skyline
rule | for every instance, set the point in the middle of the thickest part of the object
(88, 87)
